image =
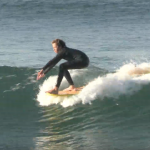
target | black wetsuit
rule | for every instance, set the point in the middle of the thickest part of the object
(75, 60)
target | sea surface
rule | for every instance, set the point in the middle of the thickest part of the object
(112, 112)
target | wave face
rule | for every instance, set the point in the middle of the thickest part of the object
(112, 105)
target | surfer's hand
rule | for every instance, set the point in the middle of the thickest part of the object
(40, 75)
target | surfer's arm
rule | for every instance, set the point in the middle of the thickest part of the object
(52, 62)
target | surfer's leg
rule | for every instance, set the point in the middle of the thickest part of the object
(63, 70)
(60, 75)
(68, 77)
(70, 81)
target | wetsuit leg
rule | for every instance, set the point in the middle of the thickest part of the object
(63, 70)
(68, 77)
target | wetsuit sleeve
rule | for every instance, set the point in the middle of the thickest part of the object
(53, 62)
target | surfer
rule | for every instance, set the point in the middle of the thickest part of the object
(76, 59)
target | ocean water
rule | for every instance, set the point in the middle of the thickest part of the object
(112, 112)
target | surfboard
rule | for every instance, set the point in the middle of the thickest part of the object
(67, 93)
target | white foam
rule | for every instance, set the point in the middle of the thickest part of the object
(126, 81)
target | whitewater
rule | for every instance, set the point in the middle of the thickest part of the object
(126, 80)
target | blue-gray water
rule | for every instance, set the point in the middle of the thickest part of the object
(115, 36)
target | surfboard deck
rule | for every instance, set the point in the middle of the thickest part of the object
(67, 93)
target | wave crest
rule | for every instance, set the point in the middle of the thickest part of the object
(127, 80)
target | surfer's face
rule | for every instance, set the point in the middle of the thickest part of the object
(55, 47)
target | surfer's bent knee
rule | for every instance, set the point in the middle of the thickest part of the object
(62, 67)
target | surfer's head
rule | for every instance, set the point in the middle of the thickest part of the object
(58, 44)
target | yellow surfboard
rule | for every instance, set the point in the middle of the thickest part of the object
(67, 93)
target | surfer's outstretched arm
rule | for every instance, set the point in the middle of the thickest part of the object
(53, 62)
(49, 65)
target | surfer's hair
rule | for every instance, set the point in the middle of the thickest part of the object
(59, 43)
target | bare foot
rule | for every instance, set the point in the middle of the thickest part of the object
(70, 88)
(53, 91)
